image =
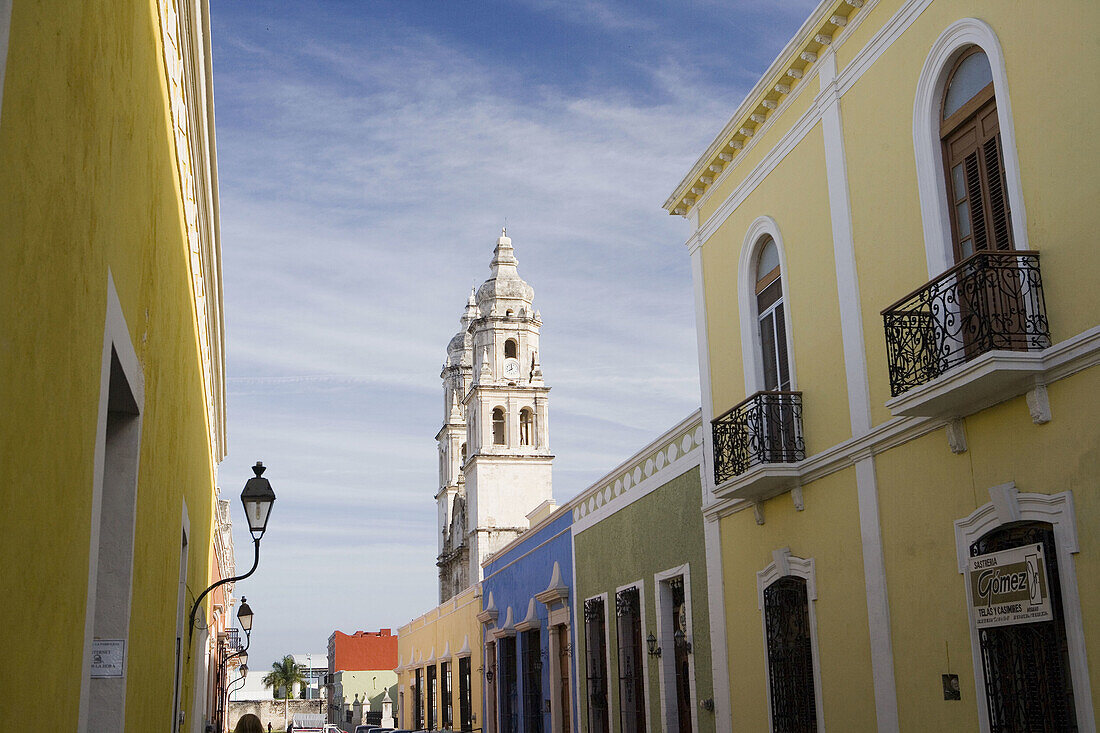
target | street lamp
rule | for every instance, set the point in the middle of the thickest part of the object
(244, 617)
(257, 498)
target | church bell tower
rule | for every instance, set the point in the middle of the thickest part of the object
(494, 447)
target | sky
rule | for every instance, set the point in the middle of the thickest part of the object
(369, 154)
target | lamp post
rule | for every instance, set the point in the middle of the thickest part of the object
(258, 498)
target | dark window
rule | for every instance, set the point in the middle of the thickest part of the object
(532, 681)
(509, 349)
(595, 642)
(464, 694)
(432, 697)
(418, 706)
(631, 661)
(507, 686)
(498, 426)
(526, 424)
(682, 658)
(445, 693)
(1026, 666)
(564, 652)
(973, 161)
(790, 656)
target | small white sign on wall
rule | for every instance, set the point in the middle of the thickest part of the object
(108, 657)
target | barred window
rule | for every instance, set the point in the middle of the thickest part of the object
(595, 642)
(790, 656)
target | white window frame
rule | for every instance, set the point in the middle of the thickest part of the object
(927, 113)
(666, 640)
(606, 662)
(640, 585)
(1008, 505)
(785, 564)
(751, 349)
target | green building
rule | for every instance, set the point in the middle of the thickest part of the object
(644, 654)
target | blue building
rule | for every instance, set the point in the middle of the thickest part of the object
(529, 632)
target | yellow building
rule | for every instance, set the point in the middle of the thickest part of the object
(438, 685)
(112, 359)
(897, 309)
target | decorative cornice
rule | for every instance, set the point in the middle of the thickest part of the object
(825, 25)
(189, 85)
(650, 461)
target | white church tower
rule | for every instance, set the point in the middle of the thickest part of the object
(494, 447)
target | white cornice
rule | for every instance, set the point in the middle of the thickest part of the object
(786, 73)
(189, 84)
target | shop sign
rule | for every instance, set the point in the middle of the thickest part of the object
(108, 658)
(1009, 587)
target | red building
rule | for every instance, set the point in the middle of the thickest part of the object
(362, 650)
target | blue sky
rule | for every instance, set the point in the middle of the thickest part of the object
(369, 153)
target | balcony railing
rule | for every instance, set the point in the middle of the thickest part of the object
(991, 300)
(765, 428)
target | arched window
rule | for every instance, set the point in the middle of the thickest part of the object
(510, 349)
(498, 426)
(771, 318)
(1019, 657)
(790, 655)
(462, 451)
(526, 425)
(973, 158)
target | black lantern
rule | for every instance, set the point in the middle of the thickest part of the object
(244, 616)
(681, 641)
(257, 498)
(244, 671)
(651, 642)
(243, 656)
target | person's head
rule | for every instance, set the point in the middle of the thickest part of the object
(249, 723)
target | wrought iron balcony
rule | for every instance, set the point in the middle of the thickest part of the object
(990, 301)
(765, 428)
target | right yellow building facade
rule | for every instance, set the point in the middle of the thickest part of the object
(895, 281)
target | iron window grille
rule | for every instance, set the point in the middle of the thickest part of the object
(1026, 666)
(432, 689)
(992, 300)
(445, 704)
(631, 661)
(764, 428)
(595, 641)
(418, 707)
(790, 656)
(507, 686)
(532, 681)
(464, 694)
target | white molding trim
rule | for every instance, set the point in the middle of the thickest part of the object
(782, 565)
(844, 251)
(716, 605)
(706, 401)
(751, 350)
(878, 602)
(665, 639)
(926, 139)
(1007, 505)
(116, 340)
(5, 32)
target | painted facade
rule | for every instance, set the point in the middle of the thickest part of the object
(112, 358)
(646, 515)
(529, 632)
(446, 641)
(898, 343)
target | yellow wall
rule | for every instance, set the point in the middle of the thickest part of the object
(831, 511)
(813, 312)
(449, 624)
(90, 185)
(922, 487)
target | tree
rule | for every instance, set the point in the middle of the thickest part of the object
(284, 674)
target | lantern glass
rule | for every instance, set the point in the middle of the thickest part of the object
(258, 498)
(244, 616)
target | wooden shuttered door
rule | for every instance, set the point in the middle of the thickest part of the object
(980, 217)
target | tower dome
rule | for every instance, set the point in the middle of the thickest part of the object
(505, 290)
